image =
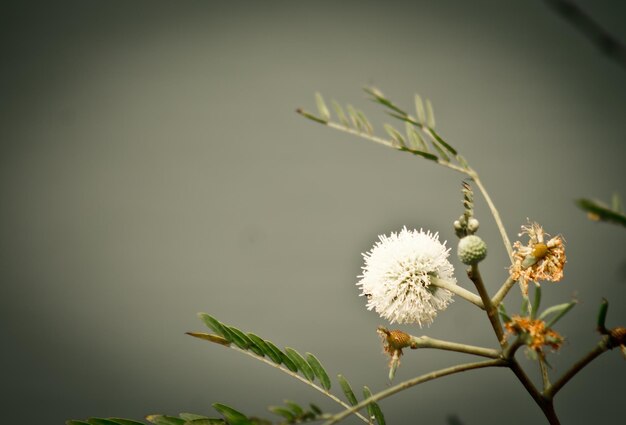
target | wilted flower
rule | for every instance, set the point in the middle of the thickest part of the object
(397, 277)
(393, 343)
(535, 329)
(538, 260)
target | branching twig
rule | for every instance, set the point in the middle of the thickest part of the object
(458, 290)
(412, 382)
(428, 342)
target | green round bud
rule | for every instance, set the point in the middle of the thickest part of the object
(472, 250)
(472, 225)
(457, 225)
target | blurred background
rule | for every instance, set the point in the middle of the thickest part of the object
(152, 167)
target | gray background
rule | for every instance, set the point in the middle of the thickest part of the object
(152, 167)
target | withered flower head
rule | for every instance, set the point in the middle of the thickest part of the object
(538, 260)
(535, 330)
(618, 338)
(393, 343)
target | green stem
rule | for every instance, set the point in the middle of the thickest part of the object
(602, 346)
(427, 342)
(412, 382)
(295, 375)
(504, 289)
(544, 371)
(458, 290)
(492, 313)
(494, 212)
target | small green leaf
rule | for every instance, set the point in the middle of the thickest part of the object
(426, 155)
(367, 125)
(525, 308)
(301, 363)
(310, 116)
(598, 211)
(281, 411)
(209, 337)
(616, 203)
(241, 339)
(315, 409)
(354, 118)
(604, 308)
(165, 420)
(288, 362)
(319, 371)
(217, 327)
(430, 115)
(321, 107)
(231, 415)
(262, 346)
(462, 161)
(274, 352)
(380, 98)
(559, 311)
(347, 390)
(443, 142)
(191, 416)
(395, 135)
(101, 421)
(121, 421)
(444, 156)
(536, 302)
(341, 115)
(415, 138)
(503, 314)
(419, 109)
(373, 409)
(295, 407)
(207, 421)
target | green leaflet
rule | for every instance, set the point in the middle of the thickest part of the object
(559, 311)
(319, 371)
(503, 314)
(284, 412)
(77, 422)
(165, 420)
(443, 142)
(426, 155)
(277, 355)
(380, 98)
(231, 415)
(536, 302)
(321, 107)
(301, 363)
(295, 407)
(214, 324)
(347, 390)
(288, 362)
(260, 344)
(209, 337)
(239, 338)
(101, 421)
(315, 409)
(121, 421)
(373, 409)
(341, 115)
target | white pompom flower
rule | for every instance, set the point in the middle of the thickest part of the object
(397, 277)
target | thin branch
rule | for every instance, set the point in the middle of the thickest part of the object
(606, 42)
(543, 367)
(494, 212)
(602, 346)
(492, 313)
(412, 382)
(427, 342)
(503, 291)
(458, 290)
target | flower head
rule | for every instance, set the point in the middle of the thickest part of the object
(535, 331)
(397, 277)
(393, 343)
(538, 260)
